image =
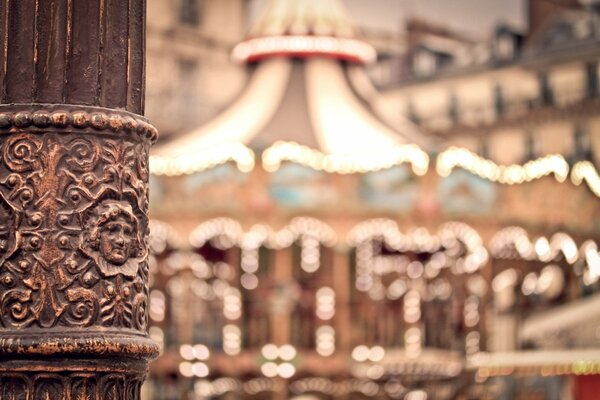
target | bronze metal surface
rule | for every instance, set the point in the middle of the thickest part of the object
(73, 200)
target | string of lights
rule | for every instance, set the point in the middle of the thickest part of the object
(446, 162)
(586, 171)
(221, 386)
(226, 233)
(345, 163)
(455, 157)
(514, 242)
(210, 158)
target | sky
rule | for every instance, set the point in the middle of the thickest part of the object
(473, 17)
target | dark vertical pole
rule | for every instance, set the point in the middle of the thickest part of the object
(499, 105)
(591, 71)
(73, 200)
(546, 91)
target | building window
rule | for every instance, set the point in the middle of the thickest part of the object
(581, 144)
(189, 12)
(189, 99)
(424, 63)
(505, 47)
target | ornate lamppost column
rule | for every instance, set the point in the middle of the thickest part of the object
(73, 200)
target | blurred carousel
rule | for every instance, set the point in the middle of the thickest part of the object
(308, 244)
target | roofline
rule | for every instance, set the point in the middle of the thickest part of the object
(587, 51)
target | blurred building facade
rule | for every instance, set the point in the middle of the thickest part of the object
(188, 47)
(466, 268)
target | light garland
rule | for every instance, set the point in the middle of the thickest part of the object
(513, 242)
(182, 260)
(455, 157)
(157, 305)
(345, 163)
(419, 240)
(443, 246)
(545, 363)
(220, 386)
(585, 171)
(325, 303)
(332, 388)
(430, 362)
(210, 157)
(227, 233)
(216, 228)
(258, 385)
(162, 236)
(589, 250)
(508, 243)
(447, 161)
(303, 45)
(325, 386)
(325, 340)
(232, 339)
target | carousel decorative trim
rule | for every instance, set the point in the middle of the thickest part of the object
(366, 387)
(446, 162)
(302, 46)
(586, 171)
(546, 362)
(455, 157)
(418, 239)
(514, 243)
(163, 236)
(210, 158)
(345, 163)
(226, 233)
(458, 240)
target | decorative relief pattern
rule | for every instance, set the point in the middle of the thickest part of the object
(80, 386)
(73, 227)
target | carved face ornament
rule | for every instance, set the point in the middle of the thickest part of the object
(114, 241)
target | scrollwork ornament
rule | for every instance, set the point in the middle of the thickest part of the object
(21, 153)
(82, 154)
(140, 307)
(73, 226)
(8, 235)
(142, 162)
(83, 307)
(15, 308)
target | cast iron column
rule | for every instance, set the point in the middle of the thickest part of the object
(73, 200)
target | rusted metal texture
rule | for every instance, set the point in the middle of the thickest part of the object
(73, 200)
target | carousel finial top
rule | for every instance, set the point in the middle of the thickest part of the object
(303, 28)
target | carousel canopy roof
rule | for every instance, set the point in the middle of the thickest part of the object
(307, 99)
(304, 17)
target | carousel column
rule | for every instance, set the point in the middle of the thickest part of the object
(283, 275)
(342, 284)
(73, 200)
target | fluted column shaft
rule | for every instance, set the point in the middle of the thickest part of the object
(73, 200)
